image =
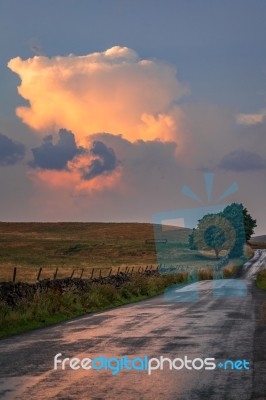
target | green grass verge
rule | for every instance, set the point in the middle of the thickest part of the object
(52, 307)
(261, 279)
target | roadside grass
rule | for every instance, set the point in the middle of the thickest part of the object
(46, 308)
(228, 272)
(205, 274)
(50, 307)
(261, 279)
(249, 251)
(231, 270)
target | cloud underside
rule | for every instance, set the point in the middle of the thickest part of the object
(63, 162)
(107, 161)
(55, 156)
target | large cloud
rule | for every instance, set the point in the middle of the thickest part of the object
(11, 152)
(112, 91)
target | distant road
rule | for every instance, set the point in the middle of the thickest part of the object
(219, 327)
(253, 266)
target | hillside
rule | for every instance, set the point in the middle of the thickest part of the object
(261, 238)
(30, 246)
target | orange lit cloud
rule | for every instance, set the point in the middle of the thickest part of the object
(72, 180)
(112, 91)
(251, 119)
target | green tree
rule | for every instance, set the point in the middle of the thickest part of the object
(243, 223)
(249, 224)
(191, 242)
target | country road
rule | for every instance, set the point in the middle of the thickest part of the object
(229, 323)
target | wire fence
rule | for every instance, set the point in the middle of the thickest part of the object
(24, 274)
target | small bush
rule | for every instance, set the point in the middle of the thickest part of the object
(261, 279)
(249, 252)
(230, 271)
(205, 274)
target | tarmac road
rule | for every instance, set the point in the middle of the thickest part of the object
(226, 323)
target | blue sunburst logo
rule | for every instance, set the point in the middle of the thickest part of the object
(209, 178)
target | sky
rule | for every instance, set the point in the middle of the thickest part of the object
(109, 107)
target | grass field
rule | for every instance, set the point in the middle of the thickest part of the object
(98, 246)
(29, 246)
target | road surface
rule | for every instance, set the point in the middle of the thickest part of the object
(228, 323)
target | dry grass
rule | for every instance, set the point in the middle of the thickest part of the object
(249, 252)
(228, 272)
(205, 274)
(29, 246)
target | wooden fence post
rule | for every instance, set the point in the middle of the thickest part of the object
(14, 274)
(81, 273)
(110, 272)
(39, 273)
(92, 273)
(100, 273)
(55, 274)
(72, 273)
(118, 270)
